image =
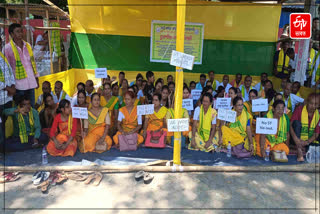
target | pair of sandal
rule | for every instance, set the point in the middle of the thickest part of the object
(48, 179)
(94, 178)
(147, 177)
(9, 177)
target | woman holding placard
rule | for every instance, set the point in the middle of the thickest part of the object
(280, 140)
(112, 103)
(96, 128)
(129, 122)
(203, 134)
(63, 132)
(239, 132)
(253, 94)
(156, 122)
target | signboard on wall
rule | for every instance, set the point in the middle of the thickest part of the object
(163, 40)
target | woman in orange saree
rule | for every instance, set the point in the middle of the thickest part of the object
(63, 143)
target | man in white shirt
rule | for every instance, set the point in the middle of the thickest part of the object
(215, 83)
(291, 100)
(225, 83)
(246, 87)
(59, 94)
(7, 89)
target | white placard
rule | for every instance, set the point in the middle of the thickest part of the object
(81, 113)
(145, 109)
(182, 60)
(223, 103)
(260, 105)
(101, 72)
(178, 125)
(266, 126)
(227, 115)
(196, 93)
(187, 104)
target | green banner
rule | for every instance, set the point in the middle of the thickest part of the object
(163, 41)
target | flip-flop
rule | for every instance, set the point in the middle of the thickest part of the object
(36, 175)
(9, 177)
(147, 178)
(76, 176)
(89, 179)
(139, 175)
(43, 177)
(45, 186)
(97, 178)
(61, 178)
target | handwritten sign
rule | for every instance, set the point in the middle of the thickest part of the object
(266, 126)
(227, 115)
(260, 105)
(145, 109)
(223, 103)
(81, 113)
(178, 125)
(182, 60)
(187, 104)
(101, 72)
(196, 93)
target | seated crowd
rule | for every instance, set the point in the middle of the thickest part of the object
(112, 114)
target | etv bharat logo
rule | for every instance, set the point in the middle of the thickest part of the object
(300, 25)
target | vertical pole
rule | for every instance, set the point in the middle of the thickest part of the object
(59, 58)
(8, 16)
(181, 15)
(49, 41)
(27, 21)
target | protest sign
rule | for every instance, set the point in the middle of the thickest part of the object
(260, 105)
(266, 126)
(182, 60)
(227, 115)
(101, 72)
(145, 109)
(187, 104)
(178, 125)
(80, 113)
(223, 103)
(196, 93)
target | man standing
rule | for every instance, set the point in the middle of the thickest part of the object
(304, 126)
(245, 89)
(7, 89)
(281, 61)
(203, 79)
(20, 57)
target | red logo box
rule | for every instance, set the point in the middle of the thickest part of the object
(300, 25)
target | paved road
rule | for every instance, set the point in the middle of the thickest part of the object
(181, 192)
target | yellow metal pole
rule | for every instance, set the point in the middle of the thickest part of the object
(181, 15)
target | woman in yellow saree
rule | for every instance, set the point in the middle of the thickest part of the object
(253, 94)
(112, 103)
(128, 120)
(239, 131)
(204, 126)
(280, 141)
(96, 128)
(157, 120)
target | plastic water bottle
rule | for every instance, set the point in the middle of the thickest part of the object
(44, 156)
(267, 154)
(229, 150)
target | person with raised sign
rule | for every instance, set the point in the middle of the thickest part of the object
(246, 87)
(112, 103)
(204, 126)
(280, 140)
(63, 132)
(157, 121)
(187, 95)
(58, 93)
(253, 94)
(129, 121)
(96, 128)
(26, 127)
(304, 125)
(238, 132)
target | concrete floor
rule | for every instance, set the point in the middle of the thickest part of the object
(236, 193)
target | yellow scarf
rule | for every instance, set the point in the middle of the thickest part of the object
(281, 136)
(70, 121)
(97, 121)
(205, 122)
(20, 70)
(280, 62)
(22, 127)
(243, 90)
(307, 132)
(240, 125)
